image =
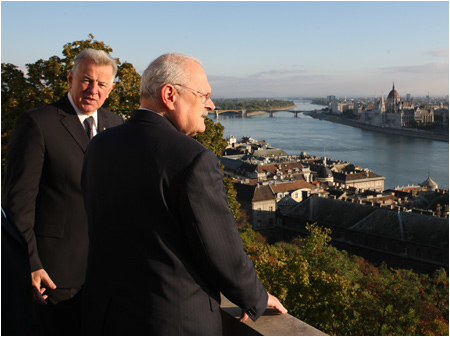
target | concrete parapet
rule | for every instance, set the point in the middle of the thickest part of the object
(269, 324)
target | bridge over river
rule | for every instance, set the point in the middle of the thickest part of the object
(244, 112)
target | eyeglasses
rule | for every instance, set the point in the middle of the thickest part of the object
(204, 97)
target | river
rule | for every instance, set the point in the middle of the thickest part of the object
(401, 160)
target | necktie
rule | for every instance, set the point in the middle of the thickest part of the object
(88, 125)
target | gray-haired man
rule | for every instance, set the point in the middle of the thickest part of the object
(42, 188)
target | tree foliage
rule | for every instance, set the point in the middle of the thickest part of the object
(342, 294)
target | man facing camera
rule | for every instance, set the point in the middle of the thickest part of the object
(42, 188)
(163, 242)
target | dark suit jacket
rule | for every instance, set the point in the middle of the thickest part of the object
(17, 303)
(42, 188)
(163, 242)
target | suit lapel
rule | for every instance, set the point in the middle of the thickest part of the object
(72, 123)
(103, 120)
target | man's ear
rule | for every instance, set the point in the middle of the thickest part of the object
(111, 89)
(69, 78)
(168, 96)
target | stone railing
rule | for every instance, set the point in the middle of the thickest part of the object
(269, 324)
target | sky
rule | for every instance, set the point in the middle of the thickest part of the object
(254, 48)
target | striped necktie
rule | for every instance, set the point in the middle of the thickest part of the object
(88, 125)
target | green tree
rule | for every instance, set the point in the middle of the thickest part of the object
(124, 98)
(16, 94)
(16, 97)
(342, 294)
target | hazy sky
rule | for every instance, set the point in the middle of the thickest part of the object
(254, 48)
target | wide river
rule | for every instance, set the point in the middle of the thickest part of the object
(401, 160)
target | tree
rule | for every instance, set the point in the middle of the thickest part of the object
(16, 97)
(16, 94)
(342, 294)
(124, 98)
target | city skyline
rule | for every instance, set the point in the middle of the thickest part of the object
(256, 48)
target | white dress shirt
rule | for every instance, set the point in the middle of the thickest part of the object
(83, 116)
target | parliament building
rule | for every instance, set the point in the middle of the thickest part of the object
(393, 113)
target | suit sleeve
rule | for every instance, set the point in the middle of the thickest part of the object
(23, 168)
(214, 239)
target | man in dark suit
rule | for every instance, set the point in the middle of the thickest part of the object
(163, 242)
(42, 187)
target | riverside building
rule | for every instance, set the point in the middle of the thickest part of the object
(393, 113)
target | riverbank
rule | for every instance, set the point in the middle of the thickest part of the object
(401, 132)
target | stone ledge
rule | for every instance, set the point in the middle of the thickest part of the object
(269, 324)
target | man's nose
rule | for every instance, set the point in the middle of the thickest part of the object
(93, 87)
(209, 104)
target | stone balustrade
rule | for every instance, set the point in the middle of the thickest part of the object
(269, 324)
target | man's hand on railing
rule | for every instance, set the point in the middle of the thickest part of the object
(272, 302)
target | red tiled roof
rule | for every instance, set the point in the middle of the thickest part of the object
(291, 186)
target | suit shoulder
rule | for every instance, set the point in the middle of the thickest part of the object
(188, 148)
(41, 109)
(50, 109)
(39, 114)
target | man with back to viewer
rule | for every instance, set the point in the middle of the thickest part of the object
(159, 259)
(42, 187)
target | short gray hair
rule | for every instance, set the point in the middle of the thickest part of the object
(168, 68)
(99, 57)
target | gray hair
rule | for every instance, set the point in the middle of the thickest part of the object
(99, 57)
(168, 68)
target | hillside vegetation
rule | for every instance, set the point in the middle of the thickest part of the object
(342, 294)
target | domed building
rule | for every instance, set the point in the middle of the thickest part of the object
(393, 113)
(393, 102)
(324, 174)
(429, 184)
